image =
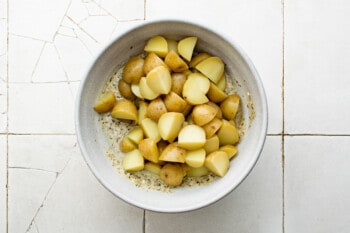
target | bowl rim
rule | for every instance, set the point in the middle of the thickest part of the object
(261, 91)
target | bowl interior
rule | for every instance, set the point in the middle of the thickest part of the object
(93, 142)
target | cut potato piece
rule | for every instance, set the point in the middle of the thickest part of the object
(133, 161)
(230, 150)
(212, 144)
(169, 125)
(195, 158)
(230, 106)
(142, 113)
(217, 162)
(212, 67)
(219, 112)
(198, 58)
(173, 153)
(177, 82)
(198, 171)
(191, 137)
(145, 91)
(215, 94)
(203, 113)
(150, 129)
(172, 174)
(174, 103)
(125, 90)
(172, 45)
(186, 46)
(152, 167)
(136, 135)
(126, 145)
(212, 127)
(156, 109)
(158, 45)
(133, 70)
(149, 150)
(228, 134)
(105, 103)
(221, 84)
(135, 89)
(161, 145)
(151, 62)
(159, 80)
(175, 63)
(124, 109)
(195, 89)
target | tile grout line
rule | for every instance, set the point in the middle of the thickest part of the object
(7, 116)
(144, 222)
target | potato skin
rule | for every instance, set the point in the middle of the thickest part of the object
(133, 70)
(105, 103)
(172, 174)
(125, 90)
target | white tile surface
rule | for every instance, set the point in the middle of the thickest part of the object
(255, 25)
(3, 106)
(3, 182)
(124, 10)
(38, 19)
(317, 56)
(317, 181)
(41, 108)
(255, 206)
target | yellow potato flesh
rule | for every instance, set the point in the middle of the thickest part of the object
(230, 150)
(186, 46)
(151, 62)
(169, 125)
(212, 127)
(199, 83)
(150, 129)
(228, 134)
(158, 45)
(133, 161)
(173, 153)
(195, 158)
(212, 67)
(125, 109)
(215, 94)
(159, 80)
(126, 145)
(152, 167)
(198, 58)
(217, 162)
(198, 171)
(191, 137)
(145, 91)
(149, 150)
(142, 112)
(211, 144)
(105, 103)
(172, 45)
(177, 82)
(135, 89)
(203, 113)
(174, 103)
(229, 106)
(221, 84)
(136, 135)
(175, 63)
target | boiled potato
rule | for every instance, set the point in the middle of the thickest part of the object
(230, 106)
(149, 150)
(198, 58)
(198, 171)
(156, 109)
(221, 84)
(212, 127)
(187, 109)
(135, 135)
(186, 46)
(219, 113)
(203, 114)
(169, 125)
(211, 144)
(133, 70)
(159, 80)
(124, 109)
(152, 167)
(177, 82)
(133, 161)
(191, 137)
(145, 91)
(125, 90)
(172, 174)
(200, 84)
(157, 45)
(175, 62)
(173, 153)
(174, 103)
(215, 94)
(172, 45)
(217, 162)
(142, 112)
(230, 150)
(162, 145)
(126, 145)
(195, 158)
(135, 89)
(105, 103)
(212, 67)
(151, 62)
(228, 133)
(150, 129)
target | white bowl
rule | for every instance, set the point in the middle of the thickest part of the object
(93, 143)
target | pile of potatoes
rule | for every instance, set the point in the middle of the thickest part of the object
(184, 119)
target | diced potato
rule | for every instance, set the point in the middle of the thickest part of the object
(172, 45)
(159, 80)
(124, 109)
(222, 83)
(126, 145)
(133, 161)
(135, 89)
(169, 125)
(156, 109)
(230, 150)
(219, 113)
(158, 45)
(186, 46)
(150, 129)
(125, 90)
(152, 167)
(133, 70)
(149, 150)
(228, 134)
(172, 174)
(212, 144)
(191, 137)
(215, 94)
(212, 67)
(195, 89)
(136, 135)
(195, 158)
(203, 114)
(230, 106)
(174, 103)
(217, 162)
(198, 58)
(212, 127)
(175, 62)
(145, 91)
(177, 82)
(105, 103)
(198, 171)
(151, 62)
(173, 153)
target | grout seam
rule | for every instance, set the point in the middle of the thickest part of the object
(144, 222)
(283, 119)
(7, 116)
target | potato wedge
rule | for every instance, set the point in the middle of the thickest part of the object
(169, 125)
(142, 111)
(195, 158)
(175, 62)
(200, 84)
(135, 89)
(133, 70)
(230, 106)
(212, 67)
(191, 137)
(172, 45)
(125, 90)
(126, 145)
(149, 150)
(124, 109)
(212, 127)
(174, 103)
(173, 153)
(145, 91)
(221, 84)
(152, 167)
(230, 150)
(219, 113)
(150, 129)
(198, 171)
(212, 144)
(203, 114)
(218, 163)
(177, 82)
(186, 46)
(198, 58)
(157, 45)
(105, 103)
(151, 62)
(228, 134)
(159, 80)
(135, 135)
(133, 161)
(215, 94)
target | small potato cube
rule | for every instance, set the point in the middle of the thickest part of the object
(126, 145)
(195, 89)
(219, 113)
(158, 45)
(136, 135)
(203, 114)
(212, 127)
(145, 91)
(133, 161)
(191, 137)
(218, 163)
(198, 58)
(124, 109)
(105, 103)
(212, 67)
(151, 62)
(135, 89)
(215, 94)
(186, 47)
(195, 158)
(177, 82)
(150, 129)
(169, 125)
(159, 80)
(174, 103)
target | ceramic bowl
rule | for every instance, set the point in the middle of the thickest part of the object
(93, 142)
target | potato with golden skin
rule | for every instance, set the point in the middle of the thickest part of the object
(175, 62)
(105, 103)
(149, 150)
(174, 103)
(229, 106)
(158, 45)
(177, 82)
(156, 108)
(125, 90)
(159, 80)
(212, 127)
(124, 109)
(218, 163)
(133, 161)
(172, 174)
(173, 153)
(212, 144)
(186, 46)
(212, 67)
(203, 114)
(126, 145)
(215, 94)
(230, 150)
(198, 58)
(228, 133)
(133, 70)
(151, 62)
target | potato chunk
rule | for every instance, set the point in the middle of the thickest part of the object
(151, 62)
(159, 80)
(158, 45)
(191, 137)
(175, 63)
(217, 162)
(125, 109)
(172, 174)
(230, 106)
(133, 70)
(145, 91)
(152, 167)
(173, 153)
(212, 67)
(150, 129)
(174, 103)
(200, 84)
(149, 150)
(215, 94)
(169, 125)
(133, 161)
(156, 108)
(186, 47)
(228, 133)
(230, 150)
(105, 103)
(198, 171)
(125, 90)
(195, 158)
(177, 82)
(203, 114)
